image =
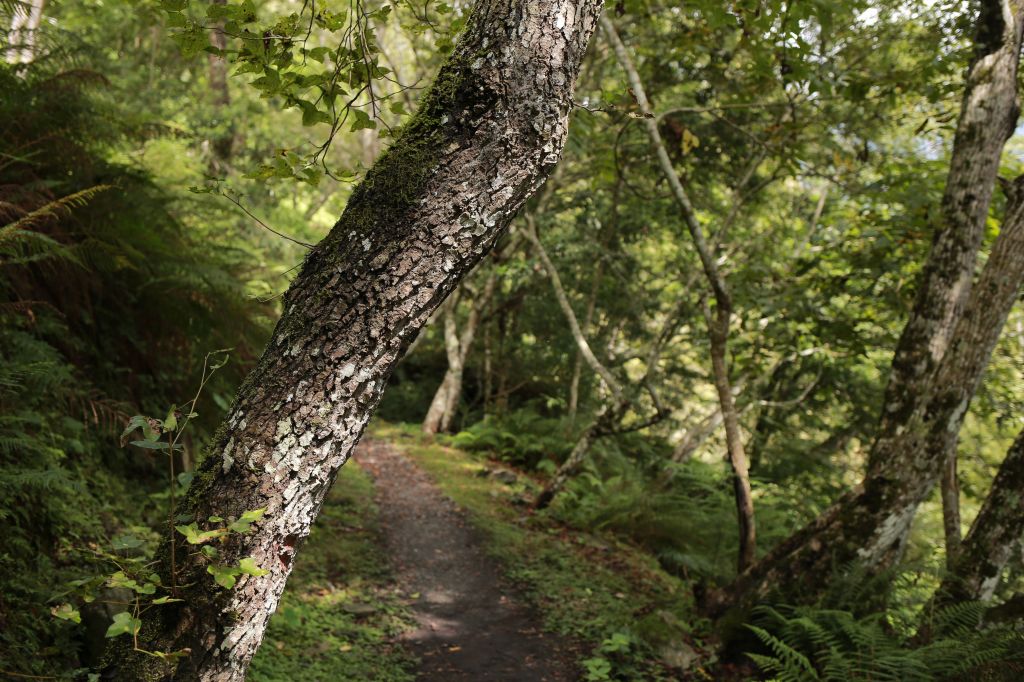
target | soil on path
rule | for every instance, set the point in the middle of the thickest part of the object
(471, 624)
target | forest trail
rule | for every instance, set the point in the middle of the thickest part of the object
(470, 626)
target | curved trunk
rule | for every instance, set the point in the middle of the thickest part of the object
(941, 354)
(486, 135)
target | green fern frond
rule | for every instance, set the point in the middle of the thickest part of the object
(48, 212)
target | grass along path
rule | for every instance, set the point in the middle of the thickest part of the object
(345, 616)
(342, 613)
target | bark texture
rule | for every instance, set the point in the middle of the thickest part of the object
(486, 135)
(943, 351)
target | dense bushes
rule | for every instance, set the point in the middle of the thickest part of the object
(108, 304)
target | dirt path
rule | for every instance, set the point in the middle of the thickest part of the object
(470, 624)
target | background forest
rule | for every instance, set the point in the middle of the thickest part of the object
(164, 169)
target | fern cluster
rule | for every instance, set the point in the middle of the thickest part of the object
(811, 643)
(108, 303)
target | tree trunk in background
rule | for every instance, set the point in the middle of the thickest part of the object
(223, 144)
(577, 365)
(435, 413)
(486, 135)
(21, 39)
(696, 436)
(617, 404)
(949, 488)
(995, 535)
(448, 395)
(870, 524)
(719, 332)
(605, 232)
(718, 324)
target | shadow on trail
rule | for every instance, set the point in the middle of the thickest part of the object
(470, 628)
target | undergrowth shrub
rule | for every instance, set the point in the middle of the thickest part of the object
(814, 643)
(522, 438)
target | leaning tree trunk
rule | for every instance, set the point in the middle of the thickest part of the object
(941, 353)
(486, 135)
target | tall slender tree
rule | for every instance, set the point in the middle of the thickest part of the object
(718, 320)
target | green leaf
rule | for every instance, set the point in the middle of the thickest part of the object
(361, 120)
(67, 612)
(223, 575)
(171, 421)
(124, 624)
(241, 525)
(185, 478)
(311, 115)
(126, 541)
(165, 600)
(249, 567)
(176, 19)
(141, 422)
(194, 536)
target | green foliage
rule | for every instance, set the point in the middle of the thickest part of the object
(808, 643)
(325, 63)
(523, 438)
(107, 302)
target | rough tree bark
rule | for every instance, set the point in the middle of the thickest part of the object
(941, 354)
(960, 374)
(486, 135)
(718, 320)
